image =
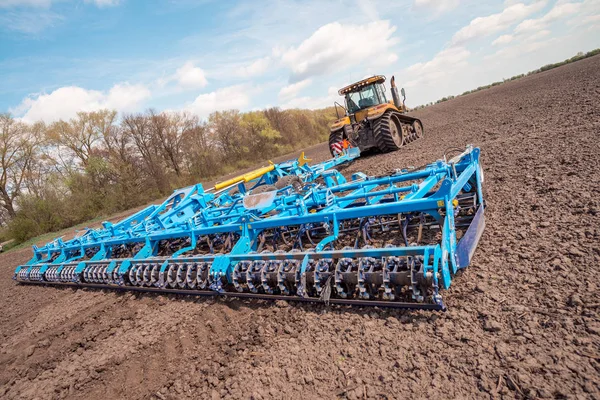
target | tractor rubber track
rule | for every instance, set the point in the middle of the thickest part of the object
(383, 130)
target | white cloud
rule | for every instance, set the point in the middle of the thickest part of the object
(334, 47)
(485, 26)
(255, 68)
(558, 11)
(591, 19)
(437, 6)
(309, 102)
(227, 98)
(504, 39)
(441, 65)
(527, 45)
(539, 35)
(104, 3)
(531, 30)
(126, 97)
(519, 56)
(190, 77)
(293, 89)
(589, 13)
(304, 102)
(531, 35)
(65, 102)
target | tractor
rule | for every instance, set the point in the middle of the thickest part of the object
(371, 122)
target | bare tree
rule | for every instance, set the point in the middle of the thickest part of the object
(201, 154)
(225, 126)
(169, 129)
(18, 147)
(78, 135)
(139, 128)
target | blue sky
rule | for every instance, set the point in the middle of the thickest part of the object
(58, 57)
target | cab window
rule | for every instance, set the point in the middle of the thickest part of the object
(364, 98)
(381, 92)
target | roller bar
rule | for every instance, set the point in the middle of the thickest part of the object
(208, 293)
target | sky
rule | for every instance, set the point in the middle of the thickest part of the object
(58, 57)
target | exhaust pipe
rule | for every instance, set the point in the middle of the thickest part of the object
(395, 96)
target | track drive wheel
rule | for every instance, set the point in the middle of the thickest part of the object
(417, 128)
(335, 137)
(388, 133)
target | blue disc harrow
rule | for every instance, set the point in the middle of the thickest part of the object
(289, 231)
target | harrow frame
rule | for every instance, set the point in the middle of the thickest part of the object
(174, 247)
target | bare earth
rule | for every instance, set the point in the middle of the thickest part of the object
(522, 320)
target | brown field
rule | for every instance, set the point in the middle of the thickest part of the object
(522, 320)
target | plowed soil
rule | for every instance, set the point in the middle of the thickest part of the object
(522, 320)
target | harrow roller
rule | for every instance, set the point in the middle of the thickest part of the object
(394, 240)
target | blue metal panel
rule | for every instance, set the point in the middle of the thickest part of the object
(467, 245)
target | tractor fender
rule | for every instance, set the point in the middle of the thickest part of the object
(339, 124)
(377, 111)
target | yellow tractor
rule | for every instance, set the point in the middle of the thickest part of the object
(371, 121)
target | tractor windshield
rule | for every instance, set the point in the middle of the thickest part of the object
(365, 97)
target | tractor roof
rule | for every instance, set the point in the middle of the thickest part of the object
(357, 85)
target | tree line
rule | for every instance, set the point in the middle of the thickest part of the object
(56, 175)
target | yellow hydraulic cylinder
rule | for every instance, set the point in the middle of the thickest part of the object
(257, 173)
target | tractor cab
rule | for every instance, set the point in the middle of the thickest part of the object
(364, 94)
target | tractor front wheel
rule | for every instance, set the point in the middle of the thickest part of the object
(335, 142)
